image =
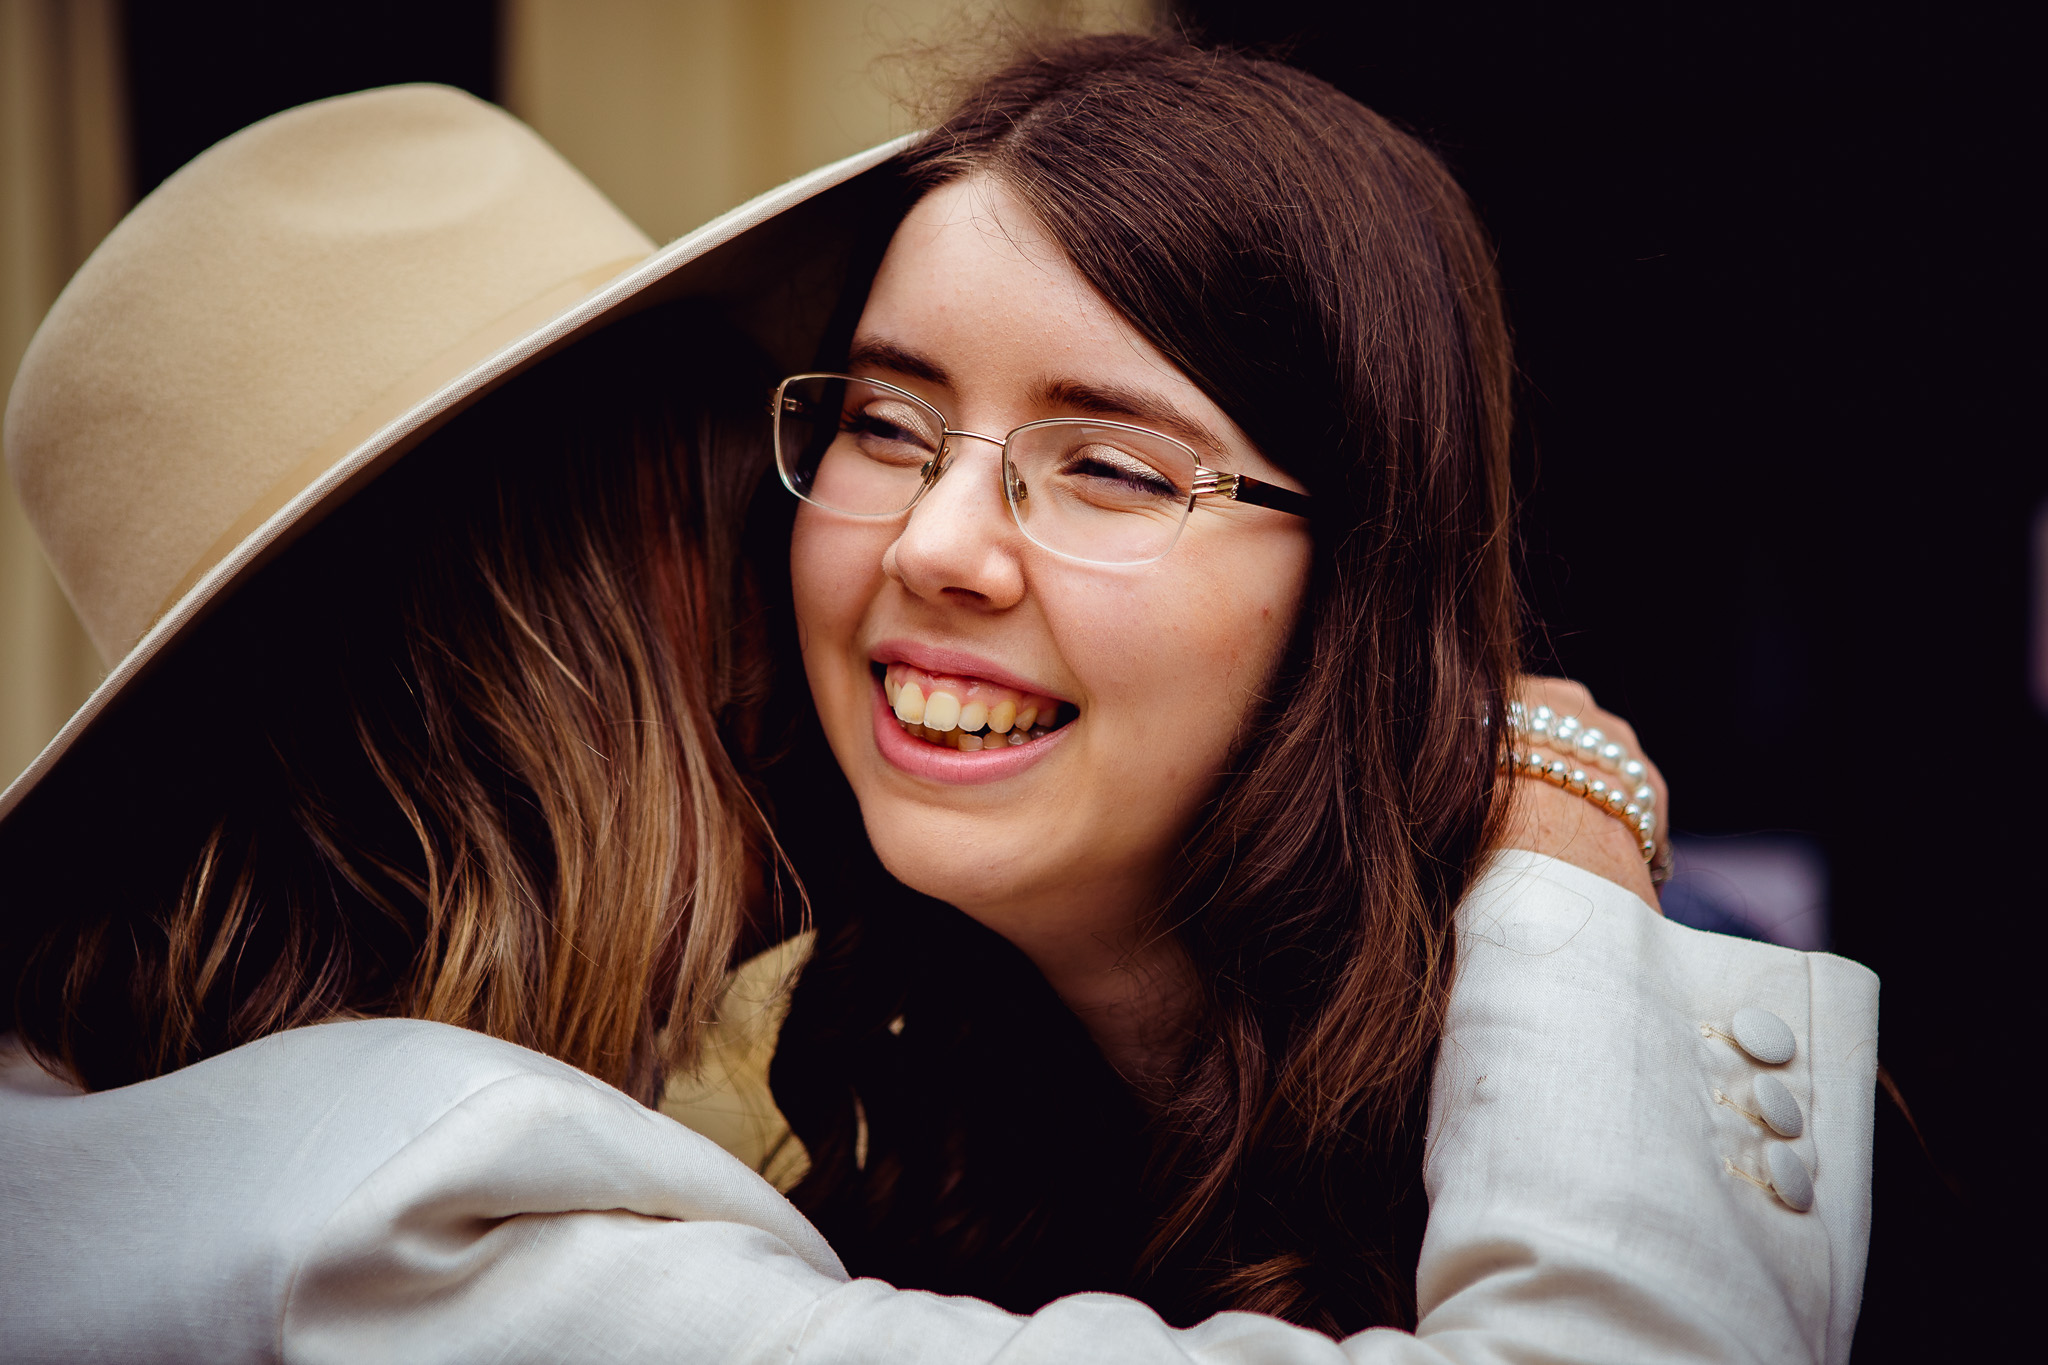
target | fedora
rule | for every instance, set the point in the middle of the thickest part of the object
(308, 300)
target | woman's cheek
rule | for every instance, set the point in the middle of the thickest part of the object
(833, 578)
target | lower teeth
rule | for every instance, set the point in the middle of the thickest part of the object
(970, 742)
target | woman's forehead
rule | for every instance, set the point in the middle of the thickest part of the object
(975, 299)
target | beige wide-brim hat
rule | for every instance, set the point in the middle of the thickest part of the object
(305, 302)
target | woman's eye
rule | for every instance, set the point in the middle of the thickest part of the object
(880, 436)
(862, 424)
(1107, 464)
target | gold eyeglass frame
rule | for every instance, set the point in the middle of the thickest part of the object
(1208, 483)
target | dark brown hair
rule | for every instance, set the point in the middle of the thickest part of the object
(457, 756)
(1319, 274)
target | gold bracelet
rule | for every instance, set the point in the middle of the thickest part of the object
(1613, 800)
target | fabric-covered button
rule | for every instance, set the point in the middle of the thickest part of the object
(1774, 1103)
(1762, 1035)
(1789, 1177)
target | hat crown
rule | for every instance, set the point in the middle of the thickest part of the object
(271, 304)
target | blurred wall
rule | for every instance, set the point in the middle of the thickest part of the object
(678, 109)
(63, 184)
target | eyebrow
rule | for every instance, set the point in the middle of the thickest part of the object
(872, 352)
(1144, 409)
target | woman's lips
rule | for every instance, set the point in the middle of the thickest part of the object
(942, 762)
(941, 662)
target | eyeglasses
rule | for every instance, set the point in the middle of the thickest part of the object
(1097, 491)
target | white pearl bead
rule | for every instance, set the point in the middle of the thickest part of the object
(1649, 822)
(1634, 770)
(1645, 796)
(1611, 754)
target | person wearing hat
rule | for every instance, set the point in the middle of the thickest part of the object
(355, 921)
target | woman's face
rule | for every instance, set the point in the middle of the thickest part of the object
(1057, 842)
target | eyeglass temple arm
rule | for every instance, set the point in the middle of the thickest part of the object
(1244, 488)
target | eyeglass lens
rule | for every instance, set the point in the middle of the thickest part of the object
(1091, 490)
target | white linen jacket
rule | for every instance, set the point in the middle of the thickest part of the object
(392, 1190)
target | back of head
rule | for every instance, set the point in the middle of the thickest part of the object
(456, 755)
(1320, 276)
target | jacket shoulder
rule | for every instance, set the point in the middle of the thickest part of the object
(174, 1211)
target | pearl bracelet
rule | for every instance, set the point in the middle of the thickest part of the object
(1629, 798)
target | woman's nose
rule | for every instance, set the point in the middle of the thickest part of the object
(959, 541)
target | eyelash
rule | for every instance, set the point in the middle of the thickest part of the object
(1137, 474)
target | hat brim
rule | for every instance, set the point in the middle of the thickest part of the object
(775, 266)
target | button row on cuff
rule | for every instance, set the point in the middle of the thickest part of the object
(1768, 1039)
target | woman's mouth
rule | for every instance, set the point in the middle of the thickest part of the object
(967, 714)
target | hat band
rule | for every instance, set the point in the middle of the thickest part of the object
(391, 404)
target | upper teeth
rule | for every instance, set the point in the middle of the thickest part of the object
(943, 710)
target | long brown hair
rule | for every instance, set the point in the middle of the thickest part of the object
(1320, 275)
(458, 756)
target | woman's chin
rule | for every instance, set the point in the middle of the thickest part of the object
(966, 875)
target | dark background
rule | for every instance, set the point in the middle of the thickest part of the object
(1771, 270)
(201, 69)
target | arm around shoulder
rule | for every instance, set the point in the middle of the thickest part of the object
(1586, 1174)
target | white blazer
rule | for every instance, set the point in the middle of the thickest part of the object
(391, 1190)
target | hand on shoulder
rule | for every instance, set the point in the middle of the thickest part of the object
(1547, 819)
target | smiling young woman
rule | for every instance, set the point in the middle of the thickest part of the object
(1235, 855)
(1145, 672)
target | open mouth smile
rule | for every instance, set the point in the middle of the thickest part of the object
(967, 714)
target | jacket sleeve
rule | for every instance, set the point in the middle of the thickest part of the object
(1580, 1206)
(1595, 1171)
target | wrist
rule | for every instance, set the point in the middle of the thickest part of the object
(1584, 797)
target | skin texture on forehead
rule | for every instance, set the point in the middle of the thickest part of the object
(975, 310)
